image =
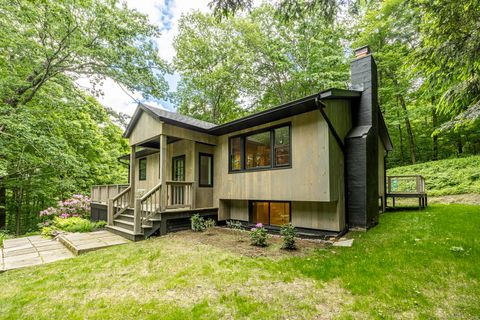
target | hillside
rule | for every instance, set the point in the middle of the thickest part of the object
(449, 176)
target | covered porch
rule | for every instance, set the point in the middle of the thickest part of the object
(167, 174)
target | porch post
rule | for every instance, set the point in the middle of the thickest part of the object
(132, 177)
(163, 172)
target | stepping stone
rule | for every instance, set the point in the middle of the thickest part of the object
(343, 243)
(11, 253)
(8, 265)
(20, 257)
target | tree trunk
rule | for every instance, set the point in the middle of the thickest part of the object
(459, 144)
(401, 140)
(411, 140)
(3, 216)
(18, 210)
(434, 138)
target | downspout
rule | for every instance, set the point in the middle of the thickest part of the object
(321, 106)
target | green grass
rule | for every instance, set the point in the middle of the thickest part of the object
(414, 264)
(445, 177)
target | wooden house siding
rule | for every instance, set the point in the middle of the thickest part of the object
(309, 171)
(152, 178)
(146, 128)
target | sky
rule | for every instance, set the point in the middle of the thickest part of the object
(165, 14)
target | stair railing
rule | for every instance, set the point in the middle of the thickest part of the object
(147, 206)
(118, 205)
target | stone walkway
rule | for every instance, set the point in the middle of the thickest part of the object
(35, 250)
(30, 251)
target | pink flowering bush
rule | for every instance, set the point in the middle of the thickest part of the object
(77, 206)
(258, 236)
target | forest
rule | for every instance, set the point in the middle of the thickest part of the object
(56, 139)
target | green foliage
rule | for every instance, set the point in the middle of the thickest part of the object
(259, 236)
(288, 233)
(198, 223)
(59, 41)
(4, 235)
(234, 225)
(448, 176)
(72, 224)
(209, 223)
(54, 139)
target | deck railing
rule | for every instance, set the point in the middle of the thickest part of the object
(101, 193)
(405, 184)
(179, 194)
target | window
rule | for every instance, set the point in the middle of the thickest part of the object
(282, 146)
(205, 170)
(258, 150)
(236, 154)
(266, 149)
(274, 213)
(142, 169)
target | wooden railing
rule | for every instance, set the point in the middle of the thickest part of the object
(117, 205)
(147, 206)
(179, 194)
(101, 193)
(413, 184)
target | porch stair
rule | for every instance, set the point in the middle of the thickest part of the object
(123, 225)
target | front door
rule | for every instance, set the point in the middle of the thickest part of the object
(178, 174)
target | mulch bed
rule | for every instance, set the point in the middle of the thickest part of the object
(238, 242)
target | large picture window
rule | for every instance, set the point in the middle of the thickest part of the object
(275, 213)
(265, 149)
(142, 169)
(205, 171)
(258, 150)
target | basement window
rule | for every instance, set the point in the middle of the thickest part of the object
(275, 213)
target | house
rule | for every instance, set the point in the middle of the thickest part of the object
(317, 162)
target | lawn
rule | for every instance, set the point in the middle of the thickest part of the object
(414, 264)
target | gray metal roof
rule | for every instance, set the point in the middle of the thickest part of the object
(286, 110)
(180, 118)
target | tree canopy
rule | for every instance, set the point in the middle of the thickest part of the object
(55, 139)
(242, 64)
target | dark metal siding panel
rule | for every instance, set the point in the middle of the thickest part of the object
(356, 158)
(362, 151)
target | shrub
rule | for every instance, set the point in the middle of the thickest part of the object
(258, 236)
(3, 236)
(209, 223)
(288, 233)
(234, 225)
(198, 223)
(100, 224)
(73, 224)
(77, 206)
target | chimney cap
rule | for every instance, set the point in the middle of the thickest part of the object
(362, 52)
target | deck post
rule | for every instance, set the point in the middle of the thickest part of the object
(163, 172)
(110, 212)
(137, 219)
(132, 177)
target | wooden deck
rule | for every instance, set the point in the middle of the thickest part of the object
(406, 186)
